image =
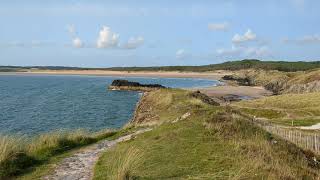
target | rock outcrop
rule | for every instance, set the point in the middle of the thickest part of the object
(120, 84)
(204, 98)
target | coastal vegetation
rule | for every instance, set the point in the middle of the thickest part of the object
(230, 65)
(279, 82)
(192, 139)
(233, 66)
(287, 109)
(20, 155)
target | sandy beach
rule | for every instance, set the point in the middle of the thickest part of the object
(248, 91)
(207, 75)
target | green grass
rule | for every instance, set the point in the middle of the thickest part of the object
(23, 155)
(303, 109)
(264, 113)
(296, 122)
(212, 143)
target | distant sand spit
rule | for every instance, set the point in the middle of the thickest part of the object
(206, 75)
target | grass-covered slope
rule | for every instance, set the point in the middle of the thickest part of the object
(302, 109)
(194, 140)
(279, 82)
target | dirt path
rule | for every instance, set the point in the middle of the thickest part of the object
(80, 165)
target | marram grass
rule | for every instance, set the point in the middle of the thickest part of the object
(17, 154)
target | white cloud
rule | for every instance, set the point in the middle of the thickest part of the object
(71, 29)
(307, 39)
(258, 51)
(241, 52)
(107, 38)
(77, 43)
(234, 51)
(133, 43)
(248, 36)
(311, 39)
(182, 54)
(218, 26)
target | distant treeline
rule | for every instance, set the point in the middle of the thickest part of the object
(230, 65)
(233, 65)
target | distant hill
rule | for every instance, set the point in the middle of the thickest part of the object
(230, 65)
(233, 65)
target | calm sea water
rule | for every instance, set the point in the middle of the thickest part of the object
(33, 104)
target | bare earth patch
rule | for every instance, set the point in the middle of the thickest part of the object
(80, 165)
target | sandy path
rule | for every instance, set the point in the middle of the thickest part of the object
(80, 165)
(313, 127)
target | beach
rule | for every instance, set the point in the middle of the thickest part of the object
(214, 91)
(216, 75)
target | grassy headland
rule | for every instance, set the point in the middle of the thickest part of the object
(194, 140)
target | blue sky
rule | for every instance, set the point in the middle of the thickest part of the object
(96, 33)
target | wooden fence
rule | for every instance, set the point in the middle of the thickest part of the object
(304, 139)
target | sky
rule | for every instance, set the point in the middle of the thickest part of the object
(105, 33)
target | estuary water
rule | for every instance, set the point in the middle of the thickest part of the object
(34, 104)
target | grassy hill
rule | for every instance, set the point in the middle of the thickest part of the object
(194, 140)
(301, 109)
(279, 82)
(230, 65)
(233, 65)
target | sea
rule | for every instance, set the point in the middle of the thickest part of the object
(35, 104)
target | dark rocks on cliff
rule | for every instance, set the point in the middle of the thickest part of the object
(120, 82)
(204, 98)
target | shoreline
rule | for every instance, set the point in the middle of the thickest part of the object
(160, 74)
(212, 91)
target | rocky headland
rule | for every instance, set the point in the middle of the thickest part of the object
(120, 84)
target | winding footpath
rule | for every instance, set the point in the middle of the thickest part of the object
(80, 165)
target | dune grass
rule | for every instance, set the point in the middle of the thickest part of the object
(20, 155)
(302, 109)
(212, 143)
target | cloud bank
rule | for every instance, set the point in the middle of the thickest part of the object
(133, 43)
(305, 40)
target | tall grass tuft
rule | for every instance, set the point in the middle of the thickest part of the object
(124, 165)
(17, 154)
(13, 156)
(125, 170)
